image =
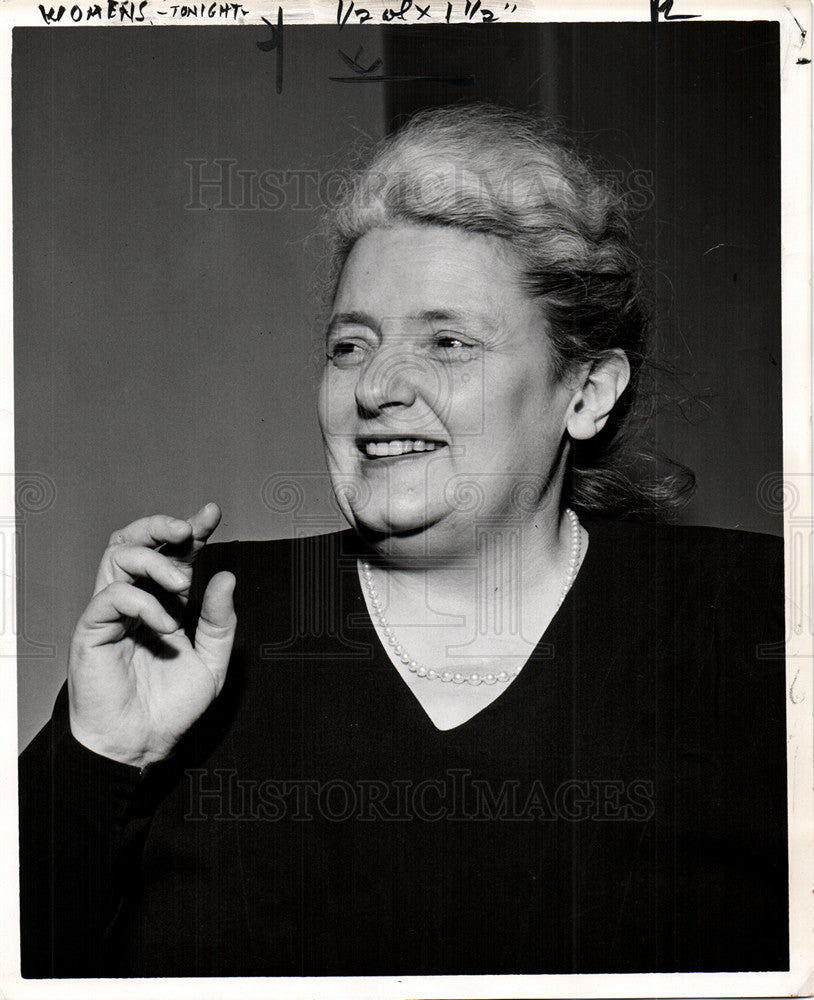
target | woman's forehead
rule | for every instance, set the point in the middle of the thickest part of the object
(420, 270)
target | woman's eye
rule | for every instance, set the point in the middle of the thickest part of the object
(449, 345)
(346, 353)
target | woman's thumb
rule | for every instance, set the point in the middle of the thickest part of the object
(216, 626)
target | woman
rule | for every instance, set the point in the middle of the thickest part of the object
(485, 730)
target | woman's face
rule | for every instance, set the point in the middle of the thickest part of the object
(438, 406)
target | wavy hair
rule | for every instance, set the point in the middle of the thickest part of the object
(508, 174)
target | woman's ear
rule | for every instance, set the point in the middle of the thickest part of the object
(591, 405)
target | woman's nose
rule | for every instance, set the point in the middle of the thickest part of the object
(388, 378)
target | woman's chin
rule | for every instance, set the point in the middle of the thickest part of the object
(416, 538)
(394, 525)
(391, 527)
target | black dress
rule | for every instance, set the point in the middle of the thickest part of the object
(621, 807)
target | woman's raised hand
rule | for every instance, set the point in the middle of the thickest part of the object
(135, 681)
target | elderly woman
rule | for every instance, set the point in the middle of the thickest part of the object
(488, 729)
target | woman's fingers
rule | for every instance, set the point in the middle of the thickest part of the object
(128, 563)
(216, 626)
(106, 617)
(179, 541)
(160, 529)
(152, 531)
(201, 526)
(205, 521)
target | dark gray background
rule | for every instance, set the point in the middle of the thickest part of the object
(166, 356)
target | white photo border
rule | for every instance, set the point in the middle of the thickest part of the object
(795, 23)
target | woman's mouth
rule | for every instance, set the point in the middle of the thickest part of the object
(397, 446)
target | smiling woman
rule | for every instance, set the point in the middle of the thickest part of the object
(484, 644)
(460, 392)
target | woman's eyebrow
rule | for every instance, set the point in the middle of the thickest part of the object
(459, 316)
(357, 318)
(351, 319)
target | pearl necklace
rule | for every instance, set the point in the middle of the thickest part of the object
(448, 675)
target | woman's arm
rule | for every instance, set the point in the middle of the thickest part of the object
(83, 821)
(148, 656)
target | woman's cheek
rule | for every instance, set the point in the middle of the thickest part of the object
(466, 404)
(336, 406)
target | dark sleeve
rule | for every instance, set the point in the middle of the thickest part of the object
(82, 826)
(84, 820)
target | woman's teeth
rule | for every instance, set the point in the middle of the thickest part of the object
(381, 449)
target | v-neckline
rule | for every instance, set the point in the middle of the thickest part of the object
(539, 656)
